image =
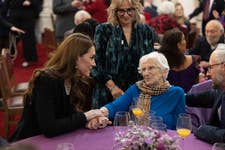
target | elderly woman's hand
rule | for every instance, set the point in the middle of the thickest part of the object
(93, 114)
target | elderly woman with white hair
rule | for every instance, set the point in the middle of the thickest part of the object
(165, 20)
(154, 92)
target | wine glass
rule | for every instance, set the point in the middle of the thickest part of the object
(218, 146)
(184, 126)
(136, 114)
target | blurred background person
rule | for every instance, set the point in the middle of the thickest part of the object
(87, 28)
(165, 21)
(150, 8)
(64, 11)
(184, 69)
(120, 43)
(209, 8)
(5, 28)
(204, 46)
(181, 19)
(79, 17)
(23, 14)
(97, 9)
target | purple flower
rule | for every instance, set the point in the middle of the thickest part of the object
(148, 140)
(161, 146)
(144, 138)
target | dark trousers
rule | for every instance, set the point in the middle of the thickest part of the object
(28, 39)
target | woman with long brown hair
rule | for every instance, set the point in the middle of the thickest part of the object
(59, 95)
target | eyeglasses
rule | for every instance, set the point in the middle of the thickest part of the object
(122, 12)
(148, 69)
(211, 31)
(211, 66)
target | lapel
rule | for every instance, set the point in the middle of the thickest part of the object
(214, 118)
(222, 123)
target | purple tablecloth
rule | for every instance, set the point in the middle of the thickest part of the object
(101, 139)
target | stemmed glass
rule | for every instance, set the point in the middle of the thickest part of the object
(136, 114)
(184, 126)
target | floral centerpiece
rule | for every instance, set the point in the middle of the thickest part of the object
(144, 138)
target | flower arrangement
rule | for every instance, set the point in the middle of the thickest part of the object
(144, 138)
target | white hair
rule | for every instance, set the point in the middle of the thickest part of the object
(81, 16)
(160, 61)
(217, 23)
(219, 53)
(166, 7)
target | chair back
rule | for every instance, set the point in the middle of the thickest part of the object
(200, 116)
(16, 88)
(8, 62)
(12, 105)
(49, 39)
(4, 81)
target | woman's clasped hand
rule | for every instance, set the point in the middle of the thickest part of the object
(100, 121)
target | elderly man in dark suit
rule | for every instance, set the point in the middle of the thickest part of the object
(214, 131)
(205, 45)
(210, 9)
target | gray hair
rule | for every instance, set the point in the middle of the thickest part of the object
(80, 16)
(112, 17)
(159, 59)
(217, 23)
(166, 7)
(219, 53)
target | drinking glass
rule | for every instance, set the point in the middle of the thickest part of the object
(218, 146)
(159, 126)
(121, 121)
(136, 114)
(155, 119)
(184, 126)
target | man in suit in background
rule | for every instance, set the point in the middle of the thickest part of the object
(214, 131)
(209, 8)
(205, 45)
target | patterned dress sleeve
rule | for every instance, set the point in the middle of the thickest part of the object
(103, 31)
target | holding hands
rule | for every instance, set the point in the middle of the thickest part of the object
(98, 118)
(98, 123)
(93, 114)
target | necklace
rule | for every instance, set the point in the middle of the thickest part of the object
(67, 85)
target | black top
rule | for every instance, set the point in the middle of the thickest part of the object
(50, 111)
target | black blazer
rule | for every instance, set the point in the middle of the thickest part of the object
(212, 132)
(49, 112)
(217, 5)
(203, 48)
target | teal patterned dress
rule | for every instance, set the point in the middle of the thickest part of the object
(117, 60)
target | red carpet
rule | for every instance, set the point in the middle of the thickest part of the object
(24, 74)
